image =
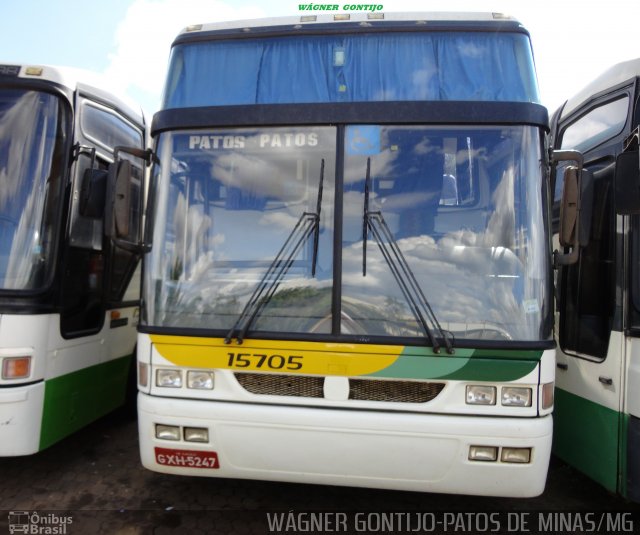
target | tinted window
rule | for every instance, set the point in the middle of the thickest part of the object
(107, 129)
(598, 125)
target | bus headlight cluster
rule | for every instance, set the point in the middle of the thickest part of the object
(175, 433)
(510, 396)
(195, 379)
(507, 455)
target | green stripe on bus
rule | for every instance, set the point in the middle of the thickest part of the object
(529, 354)
(623, 473)
(585, 435)
(74, 400)
(457, 367)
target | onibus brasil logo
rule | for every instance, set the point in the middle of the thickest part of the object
(38, 523)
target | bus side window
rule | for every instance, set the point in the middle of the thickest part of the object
(82, 302)
(587, 288)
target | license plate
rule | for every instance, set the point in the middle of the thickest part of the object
(187, 458)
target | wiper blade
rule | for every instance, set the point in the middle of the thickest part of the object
(374, 223)
(307, 225)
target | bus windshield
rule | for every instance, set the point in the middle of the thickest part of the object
(389, 66)
(32, 140)
(462, 205)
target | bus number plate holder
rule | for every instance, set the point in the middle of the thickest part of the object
(187, 458)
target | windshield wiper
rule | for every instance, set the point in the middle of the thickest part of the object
(374, 222)
(308, 225)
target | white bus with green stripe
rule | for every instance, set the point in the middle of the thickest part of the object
(597, 416)
(348, 277)
(69, 301)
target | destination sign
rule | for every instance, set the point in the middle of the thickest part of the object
(260, 140)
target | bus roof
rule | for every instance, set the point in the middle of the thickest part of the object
(75, 79)
(612, 77)
(312, 18)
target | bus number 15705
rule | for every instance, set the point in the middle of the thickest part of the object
(261, 361)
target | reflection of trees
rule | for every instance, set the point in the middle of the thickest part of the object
(211, 303)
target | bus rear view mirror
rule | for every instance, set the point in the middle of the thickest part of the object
(569, 230)
(627, 183)
(569, 208)
(92, 193)
(121, 199)
(126, 190)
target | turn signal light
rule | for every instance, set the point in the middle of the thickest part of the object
(16, 367)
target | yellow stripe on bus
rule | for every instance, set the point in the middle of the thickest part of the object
(277, 356)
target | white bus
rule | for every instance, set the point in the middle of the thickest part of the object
(597, 415)
(69, 304)
(351, 274)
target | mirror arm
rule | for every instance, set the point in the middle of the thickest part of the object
(568, 156)
(78, 149)
(566, 259)
(148, 156)
(131, 247)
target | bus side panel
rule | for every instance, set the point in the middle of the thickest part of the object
(633, 459)
(20, 416)
(631, 477)
(76, 399)
(585, 435)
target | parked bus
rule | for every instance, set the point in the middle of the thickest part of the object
(68, 298)
(597, 414)
(350, 279)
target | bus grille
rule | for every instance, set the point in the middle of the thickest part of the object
(394, 391)
(359, 389)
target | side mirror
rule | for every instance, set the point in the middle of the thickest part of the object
(125, 199)
(627, 183)
(569, 232)
(123, 203)
(569, 208)
(92, 193)
(124, 208)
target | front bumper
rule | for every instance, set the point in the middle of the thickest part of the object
(391, 450)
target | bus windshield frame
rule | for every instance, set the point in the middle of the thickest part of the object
(228, 199)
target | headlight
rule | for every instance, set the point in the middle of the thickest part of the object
(516, 455)
(483, 453)
(513, 396)
(167, 432)
(169, 378)
(196, 434)
(200, 380)
(481, 395)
